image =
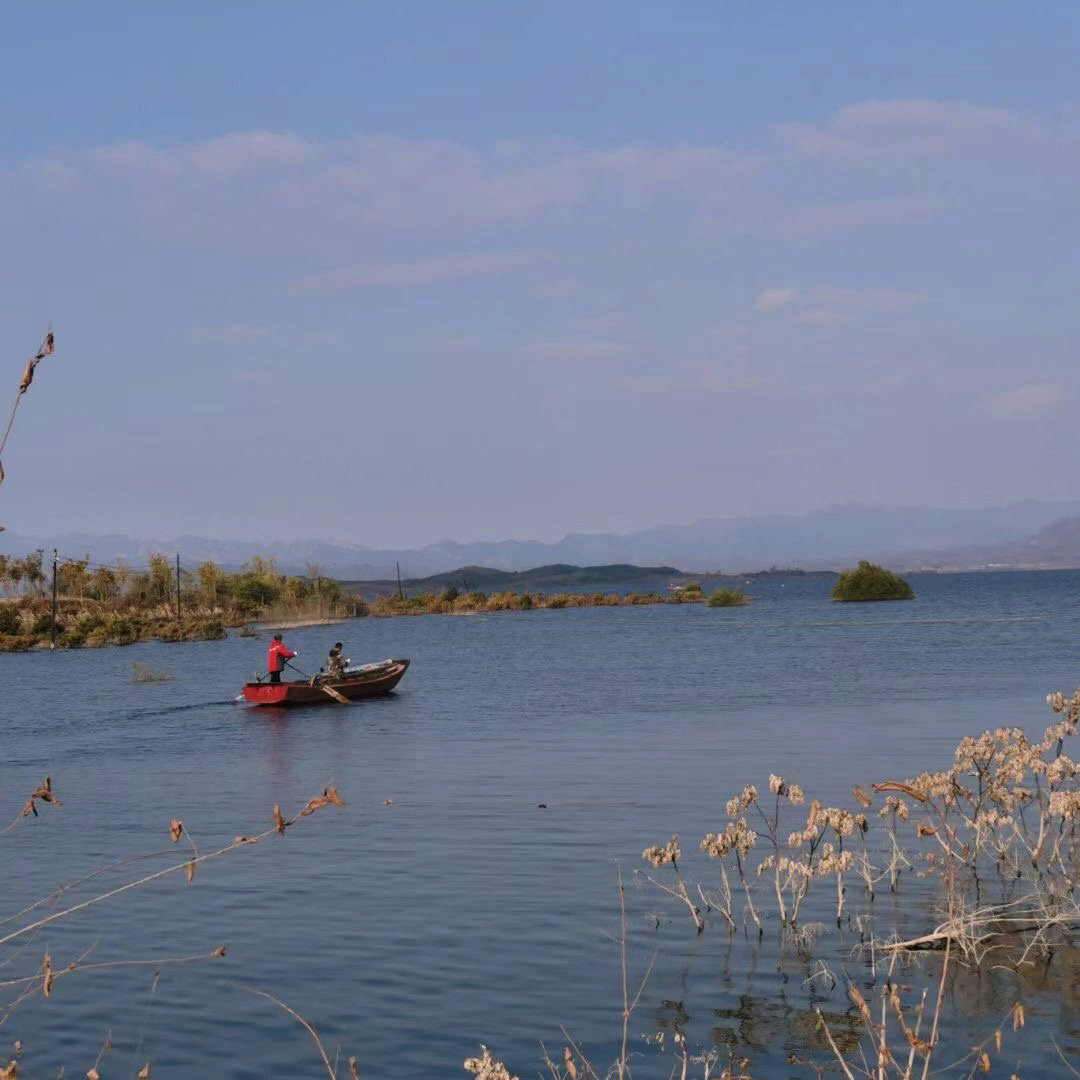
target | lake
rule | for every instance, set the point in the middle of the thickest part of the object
(467, 892)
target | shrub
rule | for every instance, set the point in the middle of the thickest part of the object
(251, 589)
(727, 598)
(9, 619)
(85, 624)
(123, 631)
(870, 582)
(45, 624)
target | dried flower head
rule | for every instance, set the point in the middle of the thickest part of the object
(669, 853)
(486, 1067)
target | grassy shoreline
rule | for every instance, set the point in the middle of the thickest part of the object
(27, 622)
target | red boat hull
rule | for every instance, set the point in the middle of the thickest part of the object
(365, 684)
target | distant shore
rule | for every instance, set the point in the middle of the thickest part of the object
(29, 623)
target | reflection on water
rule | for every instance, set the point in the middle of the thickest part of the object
(441, 907)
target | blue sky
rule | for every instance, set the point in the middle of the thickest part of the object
(391, 274)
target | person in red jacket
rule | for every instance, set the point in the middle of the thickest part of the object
(276, 656)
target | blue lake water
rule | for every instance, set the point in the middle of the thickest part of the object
(443, 907)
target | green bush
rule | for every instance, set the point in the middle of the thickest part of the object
(88, 623)
(727, 598)
(123, 631)
(251, 589)
(870, 582)
(9, 619)
(45, 624)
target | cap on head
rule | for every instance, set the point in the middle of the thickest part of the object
(337, 644)
(277, 637)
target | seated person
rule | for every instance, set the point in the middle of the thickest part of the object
(335, 662)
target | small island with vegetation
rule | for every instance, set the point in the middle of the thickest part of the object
(728, 598)
(868, 581)
(80, 605)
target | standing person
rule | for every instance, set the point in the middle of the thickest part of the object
(276, 656)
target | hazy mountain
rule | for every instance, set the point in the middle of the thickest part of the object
(1056, 546)
(828, 538)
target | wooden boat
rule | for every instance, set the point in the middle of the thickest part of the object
(371, 680)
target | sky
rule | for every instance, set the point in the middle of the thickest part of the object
(390, 274)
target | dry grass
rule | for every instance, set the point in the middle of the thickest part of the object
(19, 928)
(995, 835)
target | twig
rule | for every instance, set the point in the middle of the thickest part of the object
(300, 1020)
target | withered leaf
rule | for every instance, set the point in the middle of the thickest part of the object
(330, 794)
(895, 785)
(279, 821)
(860, 1003)
(191, 871)
(144, 1072)
(353, 1074)
(863, 799)
(568, 1060)
(92, 1074)
(44, 792)
(176, 828)
(220, 950)
(1018, 1016)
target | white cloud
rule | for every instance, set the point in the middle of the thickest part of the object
(1026, 402)
(955, 116)
(571, 351)
(774, 299)
(349, 202)
(828, 305)
(427, 271)
(234, 332)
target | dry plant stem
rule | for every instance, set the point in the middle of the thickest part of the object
(176, 868)
(679, 893)
(300, 1020)
(937, 1012)
(628, 1006)
(61, 889)
(625, 987)
(749, 898)
(75, 966)
(589, 1070)
(1062, 1056)
(832, 1045)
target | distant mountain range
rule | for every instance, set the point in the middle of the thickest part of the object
(1025, 534)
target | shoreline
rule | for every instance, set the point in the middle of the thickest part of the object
(27, 624)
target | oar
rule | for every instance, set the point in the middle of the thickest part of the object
(322, 686)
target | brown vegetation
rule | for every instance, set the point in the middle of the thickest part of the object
(116, 605)
(995, 836)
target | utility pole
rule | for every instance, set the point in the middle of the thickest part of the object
(52, 621)
(401, 595)
(178, 586)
